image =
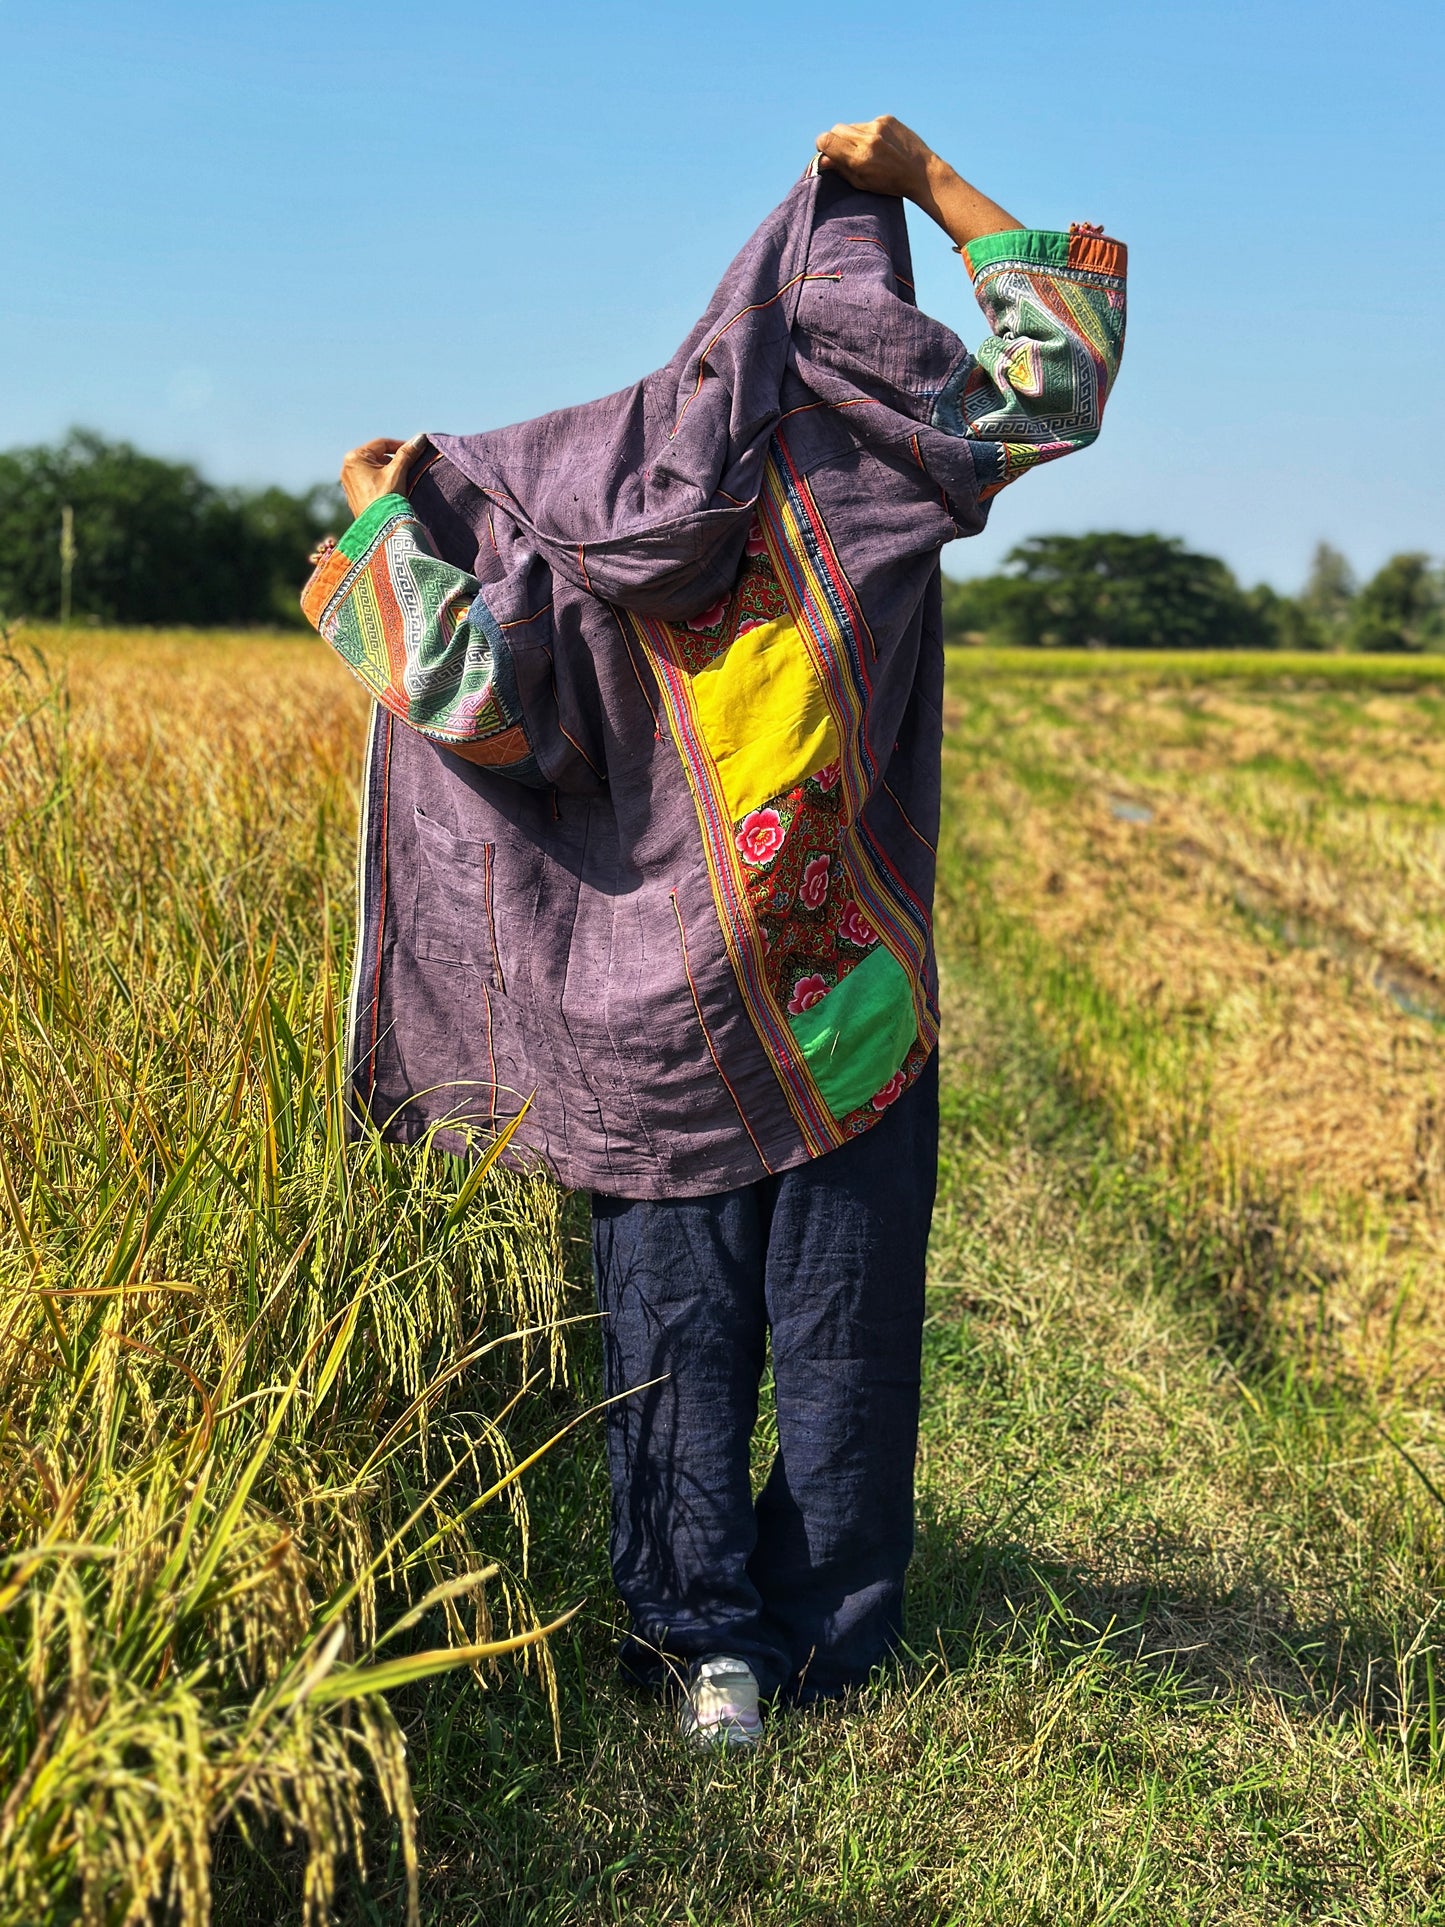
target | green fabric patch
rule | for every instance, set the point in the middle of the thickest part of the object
(1040, 247)
(369, 524)
(855, 1038)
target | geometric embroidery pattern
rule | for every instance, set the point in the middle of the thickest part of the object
(416, 632)
(1036, 388)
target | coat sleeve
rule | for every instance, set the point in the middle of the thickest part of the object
(1036, 388)
(416, 631)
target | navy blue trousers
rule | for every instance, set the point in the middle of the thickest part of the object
(806, 1583)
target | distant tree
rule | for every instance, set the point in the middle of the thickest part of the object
(1329, 594)
(1402, 607)
(154, 541)
(1110, 591)
(983, 607)
(1285, 622)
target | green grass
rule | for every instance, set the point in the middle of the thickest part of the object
(1174, 1609)
(1194, 666)
(1163, 1612)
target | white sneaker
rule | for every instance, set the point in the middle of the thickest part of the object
(720, 1707)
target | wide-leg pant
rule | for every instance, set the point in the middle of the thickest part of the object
(806, 1584)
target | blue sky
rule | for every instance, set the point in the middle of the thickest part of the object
(253, 235)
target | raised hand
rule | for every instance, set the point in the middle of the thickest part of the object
(377, 468)
(883, 156)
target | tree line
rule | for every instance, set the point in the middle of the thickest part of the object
(96, 531)
(1112, 591)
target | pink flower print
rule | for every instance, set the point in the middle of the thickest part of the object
(756, 544)
(807, 991)
(828, 775)
(890, 1092)
(855, 927)
(710, 617)
(751, 622)
(759, 836)
(814, 886)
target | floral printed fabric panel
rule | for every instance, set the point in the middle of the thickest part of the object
(771, 737)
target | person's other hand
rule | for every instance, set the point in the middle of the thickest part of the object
(880, 156)
(378, 468)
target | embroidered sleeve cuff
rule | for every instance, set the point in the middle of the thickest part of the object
(334, 572)
(370, 523)
(1079, 251)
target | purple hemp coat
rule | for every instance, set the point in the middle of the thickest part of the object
(652, 785)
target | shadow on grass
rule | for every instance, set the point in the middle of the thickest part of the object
(513, 1837)
(1167, 1632)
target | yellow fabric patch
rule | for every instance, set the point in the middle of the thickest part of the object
(761, 711)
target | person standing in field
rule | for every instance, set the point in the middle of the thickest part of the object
(651, 803)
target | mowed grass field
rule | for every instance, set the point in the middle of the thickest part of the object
(1174, 1614)
(1225, 882)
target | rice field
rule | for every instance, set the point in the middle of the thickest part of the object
(1227, 883)
(278, 1525)
(254, 1380)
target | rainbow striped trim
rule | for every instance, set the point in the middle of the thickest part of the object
(417, 631)
(828, 618)
(741, 930)
(825, 612)
(841, 1049)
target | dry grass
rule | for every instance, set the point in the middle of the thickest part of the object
(1243, 889)
(242, 1459)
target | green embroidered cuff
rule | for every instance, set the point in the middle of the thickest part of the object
(369, 524)
(1078, 251)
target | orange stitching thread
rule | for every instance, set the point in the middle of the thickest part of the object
(518, 622)
(873, 242)
(755, 308)
(804, 408)
(653, 702)
(492, 933)
(707, 1037)
(491, 1054)
(577, 746)
(557, 704)
(909, 821)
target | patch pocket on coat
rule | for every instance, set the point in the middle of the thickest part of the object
(454, 899)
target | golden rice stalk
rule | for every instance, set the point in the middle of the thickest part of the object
(242, 1467)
